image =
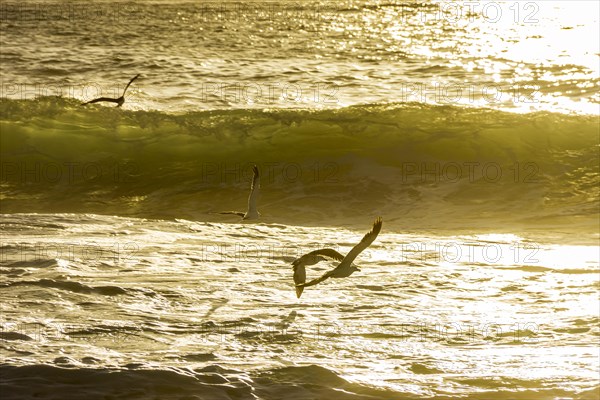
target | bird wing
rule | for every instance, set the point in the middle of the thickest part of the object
(364, 243)
(254, 189)
(356, 250)
(315, 256)
(127, 87)
(102, 99)
(241, 214)
(317, 280)
(299, 278)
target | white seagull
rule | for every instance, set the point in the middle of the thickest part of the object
(252, 212)
(119, 101)
(343, 270)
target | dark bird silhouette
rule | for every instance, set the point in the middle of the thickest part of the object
(343, 270)
(119, 100)
(312, 258)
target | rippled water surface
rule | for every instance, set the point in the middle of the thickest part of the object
(427, 316)
(531, 56)
(472, 133)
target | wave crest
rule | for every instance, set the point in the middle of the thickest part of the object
(418, 165)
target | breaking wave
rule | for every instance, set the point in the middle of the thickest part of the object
(421, 166)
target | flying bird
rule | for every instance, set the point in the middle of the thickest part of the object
(252, 212)
(119, 101)
(312, 258)
(345, 267)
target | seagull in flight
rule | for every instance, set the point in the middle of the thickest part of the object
(343, 270)
(252, 212)
(119, 101)
(312, 258)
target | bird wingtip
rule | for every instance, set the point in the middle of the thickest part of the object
(378, 222)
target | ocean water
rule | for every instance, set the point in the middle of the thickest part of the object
(473, 131)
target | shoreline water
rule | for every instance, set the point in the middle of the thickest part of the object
(136, 300)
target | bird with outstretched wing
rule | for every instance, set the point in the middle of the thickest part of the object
(252, 211)
(345, 267)
(119, 100)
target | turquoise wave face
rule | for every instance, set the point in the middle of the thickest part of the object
(422, 166)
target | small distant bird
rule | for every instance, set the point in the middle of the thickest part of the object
(252, 212)
(343, 270)
(119, 101)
